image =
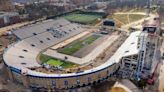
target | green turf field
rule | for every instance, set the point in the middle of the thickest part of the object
(56, 62)
(82, 18)
(78, 45)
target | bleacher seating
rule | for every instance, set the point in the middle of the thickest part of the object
(36, 38)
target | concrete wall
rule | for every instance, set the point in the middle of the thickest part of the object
(66, 82)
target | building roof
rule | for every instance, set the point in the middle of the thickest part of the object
(129, 47)
(152, 23)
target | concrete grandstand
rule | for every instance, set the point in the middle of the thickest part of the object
(24, 66)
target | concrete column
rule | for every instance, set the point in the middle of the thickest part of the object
(25, 81)
(123, 63)
(9, 74)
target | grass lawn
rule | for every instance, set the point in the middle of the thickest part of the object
(68, 65)
(56, 62)
(118, 24)
(44, 58)
(117, 89)
(138, 10)
(123, 18)
(82, 18)
(135, 17)
(78, 45)
(72, 49)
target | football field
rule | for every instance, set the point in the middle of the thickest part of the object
(82, 18)
(74, 47)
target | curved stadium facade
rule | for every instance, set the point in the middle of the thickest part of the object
(22, 57)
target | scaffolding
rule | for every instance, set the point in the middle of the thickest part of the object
(142, 51)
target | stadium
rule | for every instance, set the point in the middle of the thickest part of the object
(58, 54)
